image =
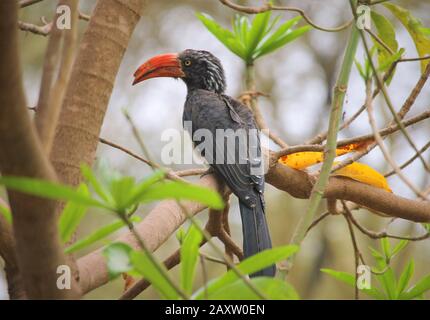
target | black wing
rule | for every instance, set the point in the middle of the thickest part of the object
(238, 164)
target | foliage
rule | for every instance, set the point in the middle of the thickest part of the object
(226, 286)
(418, 33)
(389, 286)
(120, 195)
(253, 39)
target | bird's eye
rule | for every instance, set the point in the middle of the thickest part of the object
(187, 63)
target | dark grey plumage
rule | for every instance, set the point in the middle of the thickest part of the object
(207, 107)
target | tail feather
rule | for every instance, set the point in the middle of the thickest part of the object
(256, 237)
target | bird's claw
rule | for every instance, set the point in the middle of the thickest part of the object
(209, 171)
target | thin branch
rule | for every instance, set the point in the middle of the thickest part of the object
(383, 132)
(357, 255)
(40, 30)
(323, 135)
(268, 6)
(59, 55)
(26, 3)
(385, 152)
(414, 59)
(46, 28)
(380, 41)
(382, 234)
(250, 99)
(407, 105)
(317, 221)
(408, 162)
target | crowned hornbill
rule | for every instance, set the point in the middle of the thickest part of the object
(207, 107)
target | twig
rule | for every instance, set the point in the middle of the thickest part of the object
(138, 138)
(383, 132)
(323, 135)
(408, 162)
(414, 59)
(317, 221)
(26, 3)
(252, 103)
(383, 149)
(169, 174)
(268, 6)
(357, 255)
(406, 107)
(383, 234)
(380, 41)
(40, 30)
(46, 29)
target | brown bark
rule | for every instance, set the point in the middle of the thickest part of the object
(60, 52)
(90, 86)
(34, 221)
(7, 252)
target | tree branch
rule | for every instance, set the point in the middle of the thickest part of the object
(268, 6)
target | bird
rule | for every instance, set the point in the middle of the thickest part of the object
(208, 107)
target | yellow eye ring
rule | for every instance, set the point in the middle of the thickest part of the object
(187, 63)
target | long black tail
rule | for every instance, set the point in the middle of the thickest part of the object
(256, 235)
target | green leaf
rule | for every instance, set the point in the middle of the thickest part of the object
(386, 248)
(386, 33)
(425, 31)
(341, 276)
(349, 279)
(283, 30)
(6, 213)
(72, 215)
(273, 289)
(149, 271)
(270, 47)
(388, 282)
(47, 189)
(256, 33)
(414, 27)
(118, 258)
(181, 190)
(399, 247)
(121, 189)
(223, 35)
(189, 255)
(92, 180)
(417, 290)
(388, 61)
(97, 235)
(405, 277)
(360, 69)
(143, 186)
(248, 266)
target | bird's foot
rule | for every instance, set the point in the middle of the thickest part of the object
(209, 171)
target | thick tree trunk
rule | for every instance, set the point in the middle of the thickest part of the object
(38, 249)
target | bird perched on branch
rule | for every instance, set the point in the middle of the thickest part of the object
(208, 108)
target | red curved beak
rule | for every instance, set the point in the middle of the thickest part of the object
(163, 65)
